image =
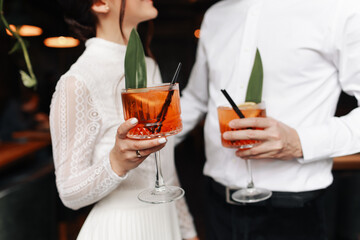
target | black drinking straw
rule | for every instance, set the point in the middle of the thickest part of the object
(164, 109)
(236, 109)
(173, 81)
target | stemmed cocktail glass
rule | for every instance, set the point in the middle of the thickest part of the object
(157, 109)
(226, 113)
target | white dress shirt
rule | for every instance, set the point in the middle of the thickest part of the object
(310, 52)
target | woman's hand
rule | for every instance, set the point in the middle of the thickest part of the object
(278, 141)
(128, 153)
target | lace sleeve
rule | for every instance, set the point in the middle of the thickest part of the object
(75, 124)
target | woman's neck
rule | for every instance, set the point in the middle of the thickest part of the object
(112, 33)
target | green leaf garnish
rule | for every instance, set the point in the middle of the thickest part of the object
(135, 65)
(254, 89)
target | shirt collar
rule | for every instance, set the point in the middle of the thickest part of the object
(105, 46)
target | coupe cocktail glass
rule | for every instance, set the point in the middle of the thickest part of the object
(226, 113)
(157, 109)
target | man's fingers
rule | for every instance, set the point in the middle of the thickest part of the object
(265, 150)
(259, 122)
(245, 135)
(126, 127)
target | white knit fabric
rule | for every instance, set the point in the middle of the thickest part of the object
(118, 216)
(85, 112)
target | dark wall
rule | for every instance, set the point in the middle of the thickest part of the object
(173, 42)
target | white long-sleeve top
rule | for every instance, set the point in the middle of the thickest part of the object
(86, 111)
(310, 52)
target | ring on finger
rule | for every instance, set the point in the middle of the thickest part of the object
(138, 154)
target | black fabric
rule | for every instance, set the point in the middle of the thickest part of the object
(285, 216)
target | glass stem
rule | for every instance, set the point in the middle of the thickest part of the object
(249, 170)
(159, 181)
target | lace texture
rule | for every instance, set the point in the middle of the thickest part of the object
(75, 127)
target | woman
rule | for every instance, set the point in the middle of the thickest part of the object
(94, 160)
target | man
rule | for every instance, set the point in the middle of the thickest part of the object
(310, 52)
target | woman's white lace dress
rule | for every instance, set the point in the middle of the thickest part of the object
(86, 111)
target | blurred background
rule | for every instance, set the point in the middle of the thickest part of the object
(29, 206)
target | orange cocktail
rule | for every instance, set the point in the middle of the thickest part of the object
(156, 108)
(227, 113)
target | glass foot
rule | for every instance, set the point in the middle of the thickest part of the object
(251, 195)
(161, 195)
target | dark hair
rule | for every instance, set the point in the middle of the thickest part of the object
(121, 19)
(148, 38)
(82, 21)
(78, 15)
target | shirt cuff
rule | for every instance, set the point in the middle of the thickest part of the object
(315, 143)
(111, 172)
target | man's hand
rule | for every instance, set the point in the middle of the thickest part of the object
(279, 141)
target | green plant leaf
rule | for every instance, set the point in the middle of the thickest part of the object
(15, 48)
(254, 89)
(135, 65)
(27, 80)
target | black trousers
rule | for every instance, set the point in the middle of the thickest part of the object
(285, 216)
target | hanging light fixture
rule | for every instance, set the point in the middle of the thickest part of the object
(25, 30)
(197, 33)
(61, 42)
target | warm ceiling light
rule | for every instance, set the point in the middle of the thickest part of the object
(25, 30)
(197, 33)
(61, 42)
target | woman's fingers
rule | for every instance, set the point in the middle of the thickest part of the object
(135, 144)
(148, 151)
(145, 144)
(128, 153)
(126, 127)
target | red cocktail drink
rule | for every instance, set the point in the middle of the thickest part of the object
(156, 108)
(227, 113)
